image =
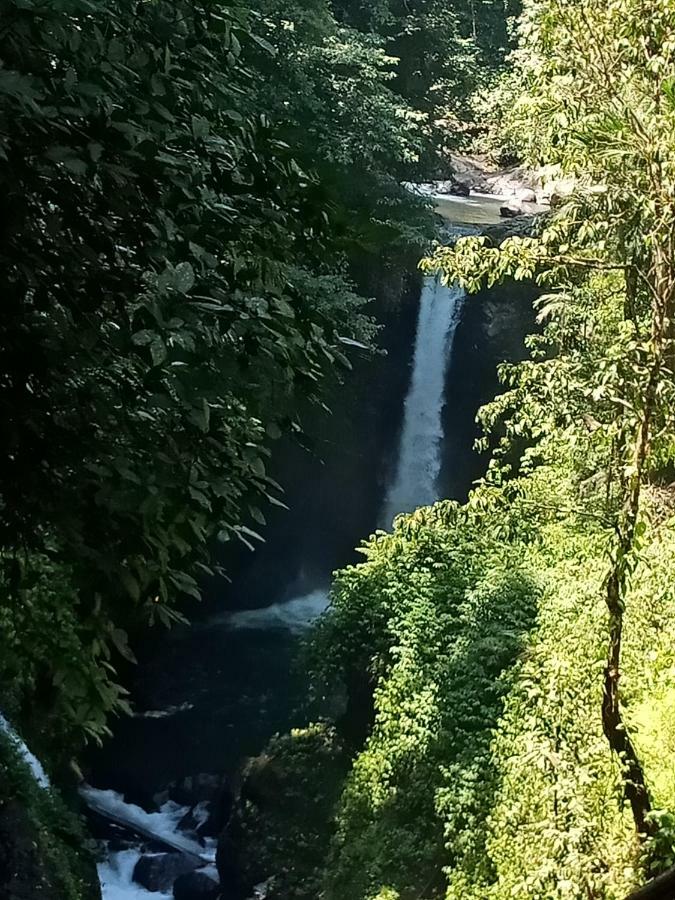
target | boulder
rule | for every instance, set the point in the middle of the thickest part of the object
(158, 871)
(194, 818)
(460, 190)
(208, 817)
(527, 195)
(511, 210)
(453, 187)
(196, 886)
(286, 801)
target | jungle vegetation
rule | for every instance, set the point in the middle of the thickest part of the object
(183, 188)
(519, 647)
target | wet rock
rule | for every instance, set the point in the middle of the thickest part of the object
(194, 818)
(196, 789)
(511, 210)
(196, 886)
(160, 798)
(453, 187)
(119, 844)
(209, 816)
(158, 871)
(526, 195)
(459, 189)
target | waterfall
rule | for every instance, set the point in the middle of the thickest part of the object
(419, 461)
(420, 446)
(29, 758)
(414, 484)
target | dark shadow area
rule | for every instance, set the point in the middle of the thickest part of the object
(208, 695)
(492, 330)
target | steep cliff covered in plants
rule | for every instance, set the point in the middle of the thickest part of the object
(519, 649)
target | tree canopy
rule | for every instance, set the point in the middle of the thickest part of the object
(175, 239)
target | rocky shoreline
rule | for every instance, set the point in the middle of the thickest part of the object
(518, 191)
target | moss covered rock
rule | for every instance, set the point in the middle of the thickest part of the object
(44, 852)
(283, 823)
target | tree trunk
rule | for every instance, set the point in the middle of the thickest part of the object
(661, 888)
(661, 288)
(612, 721)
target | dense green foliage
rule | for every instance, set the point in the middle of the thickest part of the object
(520, 647)
(184, 187)
(612, 130)
(174, 248)
(448, 53)
(284, 821)
(441, 611)
(44, 851)
(447, 50)
(487, 773)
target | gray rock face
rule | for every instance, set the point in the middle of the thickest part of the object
(158, 871)
(454, 188)
(527, 196)
(511, 210)
(196, 886)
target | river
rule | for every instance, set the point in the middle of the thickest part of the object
(209, 695)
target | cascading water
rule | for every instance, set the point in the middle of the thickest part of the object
(29, 758)
(419, 461)
(420, 448)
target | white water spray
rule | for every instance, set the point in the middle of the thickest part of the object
(294, 615)
(29, 758)
(419, 461)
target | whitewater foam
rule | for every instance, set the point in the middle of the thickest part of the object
(29, 758)
(419, 462)
(162, 824)
(116, 877)
(295, 615)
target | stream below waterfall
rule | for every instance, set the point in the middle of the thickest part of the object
(209, 695)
